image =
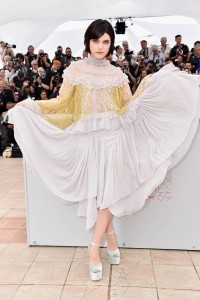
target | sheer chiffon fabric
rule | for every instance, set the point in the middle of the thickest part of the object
(113, 162)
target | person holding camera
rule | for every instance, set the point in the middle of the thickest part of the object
(127, 52)
(144, 51)
(68, 57)
(54, 70)
(126, 70)
(179, 49)
(42, 60)
(7, 50)
(178, 62)
(158, 58)
(195, 59)
(164, 48)
(41, 83)
(33, 70)
(6, 96)
(59, 55)
(28, 91)
(19, 64)
(139, 65)
(29, 56)
(55, 84)
(19, 79)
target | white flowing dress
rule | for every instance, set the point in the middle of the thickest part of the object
(113, 162)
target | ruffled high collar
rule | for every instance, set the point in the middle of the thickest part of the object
(97, 62)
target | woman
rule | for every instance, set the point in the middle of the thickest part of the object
(109, 152)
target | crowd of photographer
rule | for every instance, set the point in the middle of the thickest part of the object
(36, 76)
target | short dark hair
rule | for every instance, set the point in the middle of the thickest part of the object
(20, 56)
(178, 35)
(95, 30)
(20, 74)
(117, 47)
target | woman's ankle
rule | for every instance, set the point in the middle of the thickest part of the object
(94, 254)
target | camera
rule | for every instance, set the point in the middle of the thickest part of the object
(9, 45)
(125, 69)
(34, 77)
(59, 52)
(56, 78)
(42, 54)
(16, 64)
(198, 71)
(179, 51)
(128, 52)
(193, 60)
(5, 123)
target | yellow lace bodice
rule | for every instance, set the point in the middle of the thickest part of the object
(89, 87)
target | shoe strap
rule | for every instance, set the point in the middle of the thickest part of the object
(111, 232)
(95, 244)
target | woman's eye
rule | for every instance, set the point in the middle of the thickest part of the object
(95, 41)
(106, 42)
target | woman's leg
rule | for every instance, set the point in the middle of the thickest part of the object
(111, 238)
(101, 225)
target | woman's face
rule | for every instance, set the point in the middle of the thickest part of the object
(99, 48)
(43, 96)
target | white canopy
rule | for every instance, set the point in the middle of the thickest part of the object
(23, 22)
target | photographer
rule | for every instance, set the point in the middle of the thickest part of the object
(59, 55)
(55, 84)
(42, 60)
(127, 52)
(19, 64)
(139, 65)
(33, 70)
(158, 58)
(195, 59)
(192, 50)
(179, 49)
(27, 91)
(68, 57)
(6, 96)
(41, 83)
(188, 68)
(16, 64)
(144, 50)
(8, 136)
(178, 62)
(7, 50)
(19, 79)
(164, 48)
(29, 56)
(126, 70)
(54, 70)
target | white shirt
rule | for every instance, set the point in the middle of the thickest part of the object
(116, 57)
(165, 50)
